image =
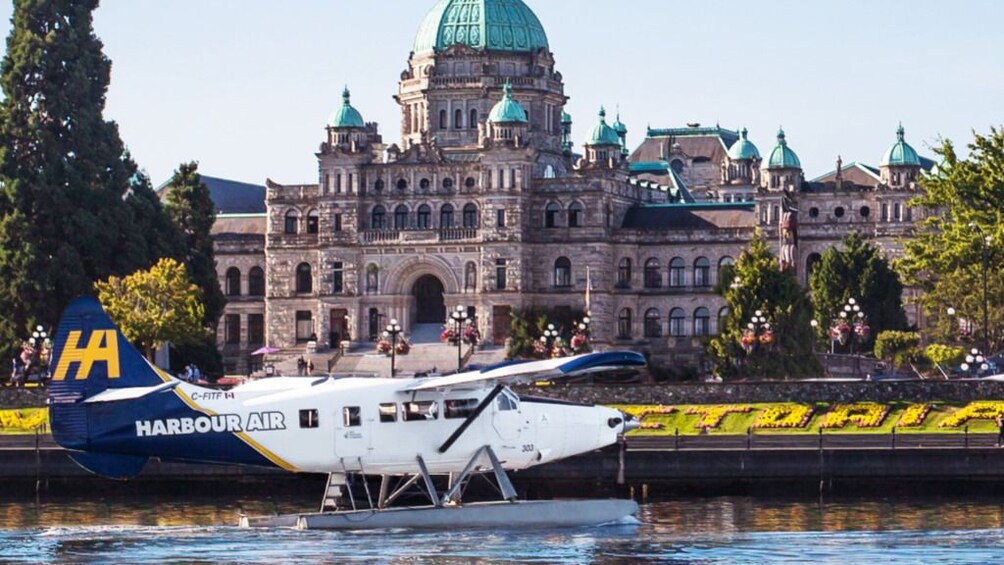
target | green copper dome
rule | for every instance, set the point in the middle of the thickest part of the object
(619, 126)
(603, 134)
(493, 25)
(743, 149)
(782, 157)
(346, 116)
(900, 154)
(508, 110)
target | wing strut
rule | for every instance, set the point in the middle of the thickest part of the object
(470, 419)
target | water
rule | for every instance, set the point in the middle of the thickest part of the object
(711, 530)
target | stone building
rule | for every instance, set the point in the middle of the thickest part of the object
(484, 204)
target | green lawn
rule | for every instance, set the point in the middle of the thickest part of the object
(739, 423)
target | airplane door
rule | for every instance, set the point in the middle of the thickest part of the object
(506, 418)
(351, 441)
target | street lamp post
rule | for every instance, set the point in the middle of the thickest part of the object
(815, 328)
(393, 330)
(459, 317)
(758, 331)
(975, 363)
(985, 262)
(550, 335)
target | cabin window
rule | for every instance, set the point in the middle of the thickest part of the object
(308, 418)
(460, 408)
(421, 410)
(388, 412)
(506, 402)
(351, 417)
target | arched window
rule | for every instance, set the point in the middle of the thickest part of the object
(458, 119)
(473, 122)
(702, 322)
(624, 324)
(313, 221)
(470, 182)
(677, 272)
(702, 272)
(677, 319)
(304, 280)
(549, 172)
(378, 185)
(725, 269)
(653, 323)
(653, 278)
(292, 221)
(256, 282)
(471, 277)
(379, 218)
(575, 213)
(233, 282)
(723, 318)
(401, 217)
(372, 278)
(448, 183)
(470, 216)
(551, 212)
(563, 272)
(423, 219)
(442, 119)
(402, 184)
(446, 216)
(624, 273)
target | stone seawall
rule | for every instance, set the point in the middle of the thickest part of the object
(793, 391)
(22, 397)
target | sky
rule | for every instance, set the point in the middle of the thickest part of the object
(245, 87)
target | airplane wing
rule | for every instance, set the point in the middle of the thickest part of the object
(535, 370)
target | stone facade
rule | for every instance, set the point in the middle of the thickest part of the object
(484, 205)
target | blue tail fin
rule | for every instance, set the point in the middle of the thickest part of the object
(90, 356)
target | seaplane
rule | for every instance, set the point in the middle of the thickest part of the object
(113, 410)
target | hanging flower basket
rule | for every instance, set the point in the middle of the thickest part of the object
(448, 335)
(383, 346)
(471, 335)
(862, 330)
(403, 348)
(767, 337)
(840, 332)
(748, 340)
(580, 343)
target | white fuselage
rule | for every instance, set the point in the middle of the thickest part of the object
(370, 426)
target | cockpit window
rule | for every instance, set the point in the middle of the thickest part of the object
(421, 410)
(506, 402)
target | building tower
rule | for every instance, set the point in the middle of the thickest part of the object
(466, 48)
(783, 170)
(740, 170)
(603, 147)
(566, 133)
(507, 122)
(900, 165)
(622, 131)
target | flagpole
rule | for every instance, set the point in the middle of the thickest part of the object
(588, 284)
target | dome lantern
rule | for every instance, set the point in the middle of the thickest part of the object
(508, 110)
(346, 116)
(782, 157)
(901, 154)
(743, 149)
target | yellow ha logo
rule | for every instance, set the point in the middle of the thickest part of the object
(102, 346)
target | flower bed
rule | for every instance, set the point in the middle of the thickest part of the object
(712, 416)
(784, 416)
(982, 410)
(24, 420)
(913, 416)
(864, 414)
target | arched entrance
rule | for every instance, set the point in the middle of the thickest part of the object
(430, 303)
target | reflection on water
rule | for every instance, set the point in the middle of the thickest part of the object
(709, 530)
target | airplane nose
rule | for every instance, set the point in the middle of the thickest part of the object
(630, 423)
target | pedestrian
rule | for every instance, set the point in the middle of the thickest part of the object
(196, 374)
(301, 366)
(1000, 429)
(188, 373)
(17, 372)
(310, 367)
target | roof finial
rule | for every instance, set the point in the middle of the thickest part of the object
(603, 114)
(507, 89)
(900, 132)
(744, 132)
(780, 136)
(346, 95)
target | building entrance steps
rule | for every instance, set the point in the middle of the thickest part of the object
(423, 358)
(425, 334)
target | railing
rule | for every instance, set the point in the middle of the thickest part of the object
(333, 360)
(457, 234)
(418, 235)
(467, 356)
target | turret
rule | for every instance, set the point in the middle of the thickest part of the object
(900, 165)
(566, 133)
(507, 122)
(782, 170)
(743, 163)
(603, 147)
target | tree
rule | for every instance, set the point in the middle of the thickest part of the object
(859, 271)
(897, 348)
(960, 241)
(760, 285)
(192, 210)
(154, 307)
(65, 219)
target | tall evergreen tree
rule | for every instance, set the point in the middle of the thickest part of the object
(858, 271)
(960, 246)
(760, 285)
(192, 210)
(64, 219)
